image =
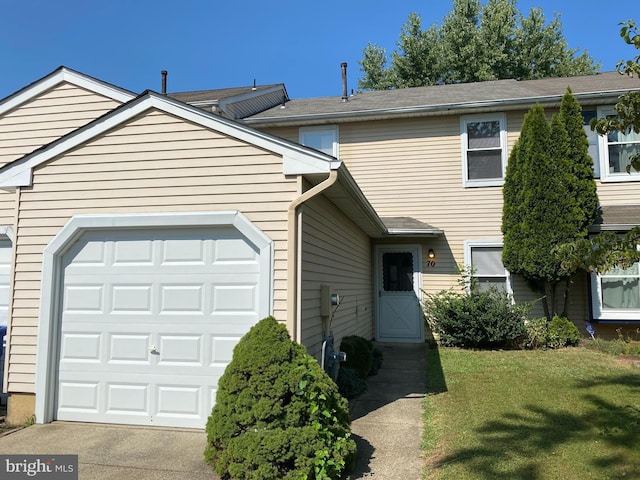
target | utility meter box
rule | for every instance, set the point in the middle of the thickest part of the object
(328, 300)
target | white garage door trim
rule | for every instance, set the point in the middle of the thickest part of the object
(49, 317)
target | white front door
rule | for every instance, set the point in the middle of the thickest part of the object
(149, 319)
(399, 283)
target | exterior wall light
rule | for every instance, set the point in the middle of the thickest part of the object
(431, 254)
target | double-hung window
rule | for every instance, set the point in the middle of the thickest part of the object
(324, 139)
(484, 150)
(616, 150)
(616, 294)
(484, 257)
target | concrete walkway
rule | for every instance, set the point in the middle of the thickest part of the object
(387, 420)
(386, 424)
(115, 452)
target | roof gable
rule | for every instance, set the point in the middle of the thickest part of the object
(58, 76)
(297, 159)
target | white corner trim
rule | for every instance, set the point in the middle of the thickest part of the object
(47, 353)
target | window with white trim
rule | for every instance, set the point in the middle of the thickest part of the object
(324, 139)
(592, 138)
(485, 259)
(616, 149)
(484, 150)
(616, 294)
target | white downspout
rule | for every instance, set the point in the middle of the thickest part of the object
(294, 283)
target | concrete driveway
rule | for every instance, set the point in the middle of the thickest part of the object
(112, 452)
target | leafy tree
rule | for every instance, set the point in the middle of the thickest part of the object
(374, 65)
(414, 64)
(549, 199)
(608, 249)
(474, 43)
(628, 108)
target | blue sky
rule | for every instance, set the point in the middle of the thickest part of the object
(216, 44)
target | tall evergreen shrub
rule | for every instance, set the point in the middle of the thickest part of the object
(277, 414)
(549, 199)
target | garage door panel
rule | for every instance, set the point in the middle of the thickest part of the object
(150, 319)
(129, 348)
(81, 347)
(127, 398)
(78, 395)
(182, 350)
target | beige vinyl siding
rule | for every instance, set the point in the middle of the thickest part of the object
(413, 167)
(337, 253)
(619, 193)
(48, 117)
(155, 163)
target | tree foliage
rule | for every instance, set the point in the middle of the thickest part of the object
(628, 108)
(608, 249)
(475, 43)
(277, 413)
(549, 199)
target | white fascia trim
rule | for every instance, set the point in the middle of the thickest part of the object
(298, 160)
(65, 75)
(52, 270)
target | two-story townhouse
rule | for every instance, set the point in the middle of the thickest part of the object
(433, 159)
(149, 232)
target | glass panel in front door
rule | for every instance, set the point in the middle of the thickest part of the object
(397, 272)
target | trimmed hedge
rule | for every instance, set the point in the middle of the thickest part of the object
(277, 414)
(359, 352)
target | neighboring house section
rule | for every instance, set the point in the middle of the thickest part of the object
(30, 118)
(439, 154)
(235, 103)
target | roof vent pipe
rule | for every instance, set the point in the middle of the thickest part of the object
(345, 95)
(164, 81)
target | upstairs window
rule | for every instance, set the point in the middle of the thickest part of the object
(324, 139)
(484, 150)
(616, 149)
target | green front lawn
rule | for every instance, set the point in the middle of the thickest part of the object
(557, 414)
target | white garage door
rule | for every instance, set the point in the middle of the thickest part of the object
(149, 322)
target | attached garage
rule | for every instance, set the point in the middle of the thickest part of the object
(135, 272)
(147, 317)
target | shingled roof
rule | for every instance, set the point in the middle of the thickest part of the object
(442, 99)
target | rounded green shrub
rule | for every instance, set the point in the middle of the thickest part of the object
(481, 319)
(277, 414)
(562, 332)
(359, 352)
(350, 385)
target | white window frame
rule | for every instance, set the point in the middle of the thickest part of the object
(598, 312)
(469, 245)
(328, 130)
(464, 120)
(593, 140)
(603, 150)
